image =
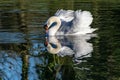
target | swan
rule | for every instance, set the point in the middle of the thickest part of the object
(69, 22)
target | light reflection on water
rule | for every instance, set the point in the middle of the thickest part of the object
(23, 55)
(76, 46)
(19, 49)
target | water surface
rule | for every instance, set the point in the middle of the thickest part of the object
(24, 56)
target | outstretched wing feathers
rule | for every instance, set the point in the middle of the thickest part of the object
(78, 20)
(65, 15)
(81, 22)
(82, 18)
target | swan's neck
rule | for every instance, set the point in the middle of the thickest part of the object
(54, 29)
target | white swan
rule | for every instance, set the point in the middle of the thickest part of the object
(69, 22)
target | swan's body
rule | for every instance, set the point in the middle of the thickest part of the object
(70, 22)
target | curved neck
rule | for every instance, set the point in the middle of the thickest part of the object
(54, 29)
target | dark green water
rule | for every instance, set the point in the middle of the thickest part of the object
(23, 55)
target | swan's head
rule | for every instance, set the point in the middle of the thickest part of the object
(52, 21)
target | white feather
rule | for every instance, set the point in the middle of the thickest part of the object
(72, 22)
(65, 15)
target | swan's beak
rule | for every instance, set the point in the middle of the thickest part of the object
(45, 27)
(46, 43)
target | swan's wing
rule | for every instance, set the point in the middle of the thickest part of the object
(65, 51)
(65, 15)
(81, 22)
(82, 18)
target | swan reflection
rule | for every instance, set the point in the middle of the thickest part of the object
(76, 46)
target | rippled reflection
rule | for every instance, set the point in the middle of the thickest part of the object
(19, 50)
(76, 46)
(10, 66)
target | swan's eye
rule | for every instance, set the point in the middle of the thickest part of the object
(53, 24)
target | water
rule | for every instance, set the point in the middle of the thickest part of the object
(24, 56)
